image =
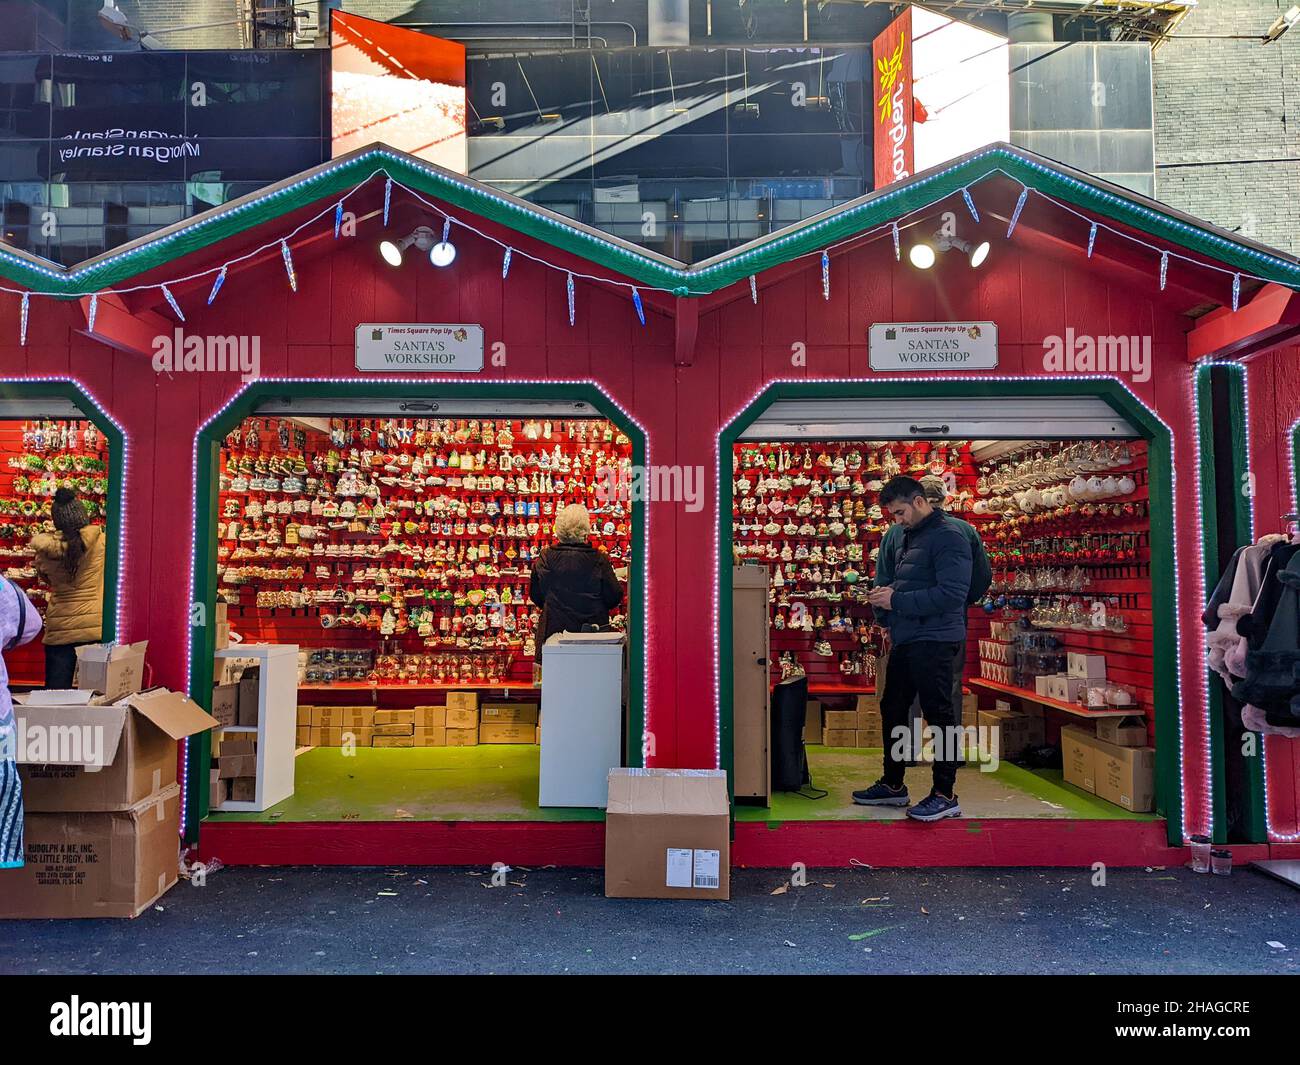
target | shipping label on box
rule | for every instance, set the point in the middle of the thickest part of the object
(667, 834)
(459, 718)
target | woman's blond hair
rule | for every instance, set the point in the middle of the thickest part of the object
(573, 524)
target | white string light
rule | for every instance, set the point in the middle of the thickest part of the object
(167, 295)
(753, 289)
(22, 321)
(505, 264)
(93, 312)
(970, 204)
(568, 287)
(1164, 269)
(826, 276)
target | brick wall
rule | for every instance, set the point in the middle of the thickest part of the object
(1228, 122)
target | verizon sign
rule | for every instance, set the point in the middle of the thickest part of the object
(891, 53)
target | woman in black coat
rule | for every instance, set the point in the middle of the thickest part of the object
(572, 582)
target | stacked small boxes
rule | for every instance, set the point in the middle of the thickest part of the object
(459, 723)
(462, 719)
(868, 730)
(1114, 764)
(508, 723)
(839, 728)
(236, 772)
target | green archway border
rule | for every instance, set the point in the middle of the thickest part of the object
(71, 390)
(204, 580)
(1212, 437)
(1169, 798)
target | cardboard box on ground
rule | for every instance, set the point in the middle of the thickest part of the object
(667, 834)
(1122, 775)
(100, 791)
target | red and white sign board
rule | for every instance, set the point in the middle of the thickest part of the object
(891, 120)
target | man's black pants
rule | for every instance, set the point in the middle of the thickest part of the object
(920, 670)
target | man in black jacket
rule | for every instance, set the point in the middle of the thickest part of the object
(572, 582)
(924, 606)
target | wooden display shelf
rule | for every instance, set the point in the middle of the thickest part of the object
(1054, 704)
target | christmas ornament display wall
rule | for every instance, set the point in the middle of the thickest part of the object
(400, 549)
(811, 511)
(40, 457)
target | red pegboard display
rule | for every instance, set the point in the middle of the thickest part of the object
(407, 542)
(38, 458)
(811, 511)
(1075, 570)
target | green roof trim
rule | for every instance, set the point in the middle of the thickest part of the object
(338, 177)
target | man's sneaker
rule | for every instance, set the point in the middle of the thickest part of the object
(881, 794)
(934, 807)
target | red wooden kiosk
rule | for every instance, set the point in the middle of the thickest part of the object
(724, 344)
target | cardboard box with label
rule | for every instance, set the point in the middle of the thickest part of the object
(838, 720)
(506, 732)
(355, 736)
(1012, 733)
(461, 737)
(394, 729)
(508, 713)
(225, 703)
(840, 737)
(96, 864)
(462, 719)
(1079, 758)
(243, 789)
(302, 735)
(342, 716)
(1125, 775)
(113, 669)
(84, 757)
(430, 736)
(430, 717)
(667, 834)
(394, 741)
(462, 701)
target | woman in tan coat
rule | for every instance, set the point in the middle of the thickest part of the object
(71, 560)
